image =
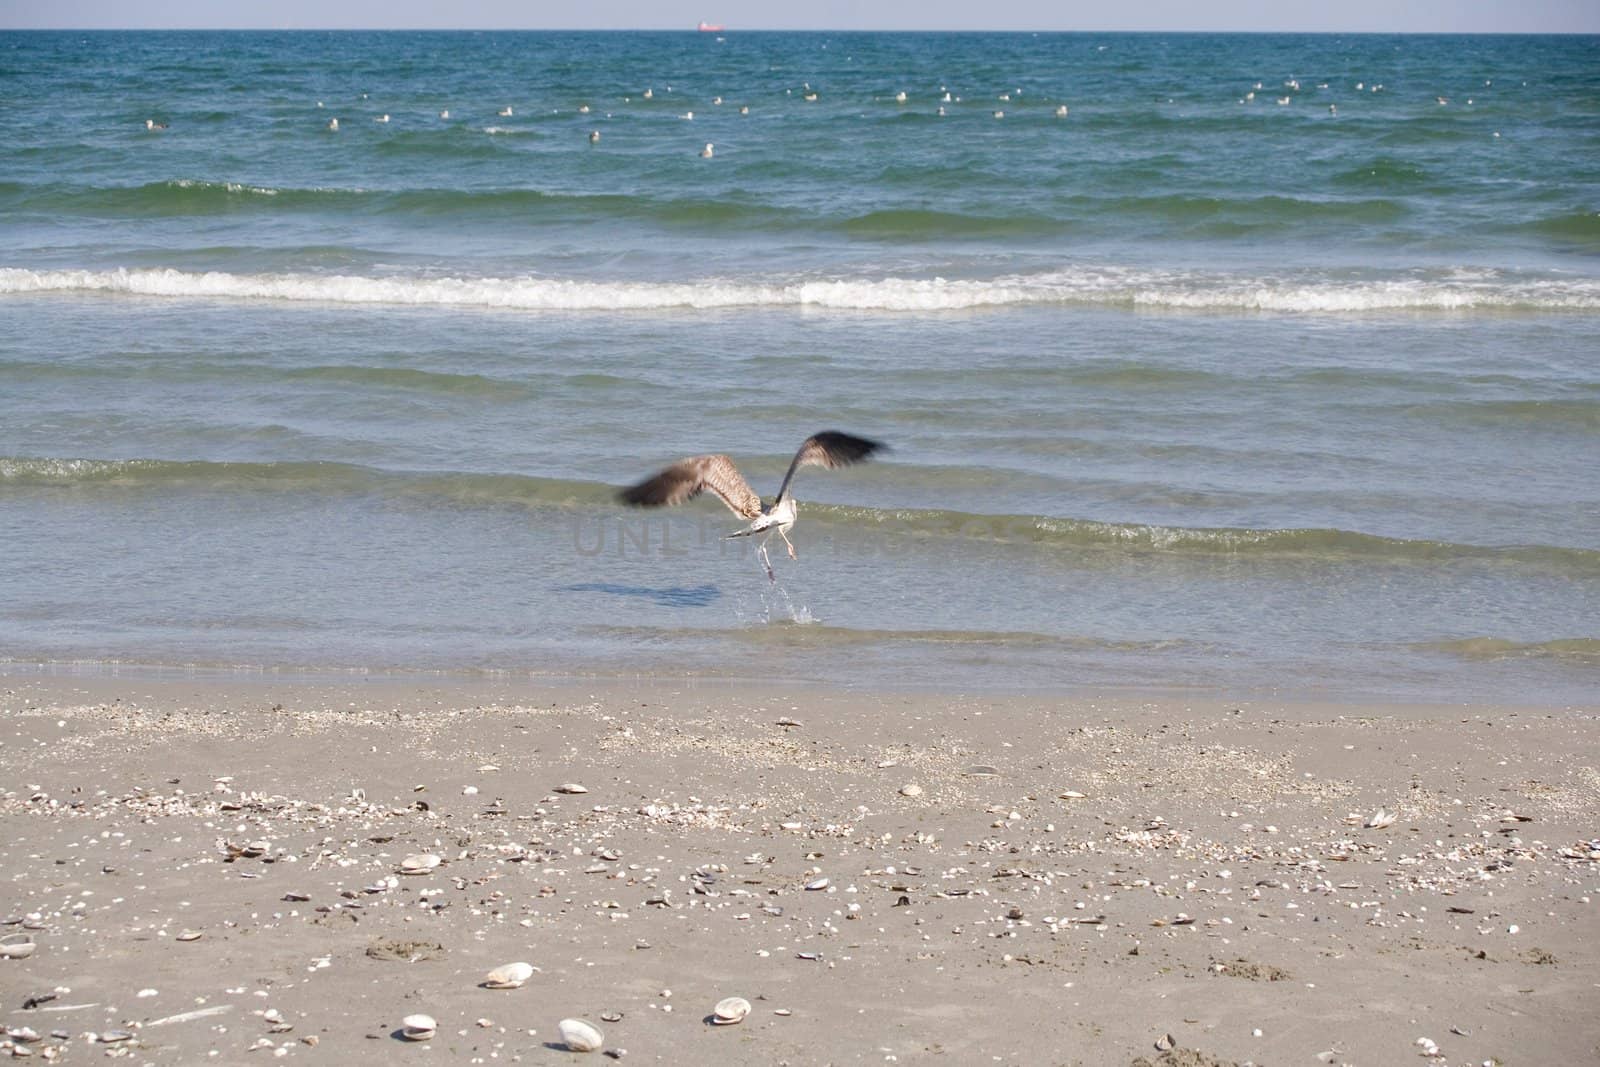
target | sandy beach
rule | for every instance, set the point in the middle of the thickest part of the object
(214, 871)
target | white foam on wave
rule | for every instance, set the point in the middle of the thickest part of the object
(232, 187)
(1110, 287)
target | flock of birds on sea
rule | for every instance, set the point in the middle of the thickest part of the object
(901, 98)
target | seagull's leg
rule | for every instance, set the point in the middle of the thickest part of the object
(766, 561)
(789, 543)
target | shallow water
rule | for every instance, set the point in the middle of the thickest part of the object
(1181, 391)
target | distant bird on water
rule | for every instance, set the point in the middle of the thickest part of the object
(152, 124)
(688, 478)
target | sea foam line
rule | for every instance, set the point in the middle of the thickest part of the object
(1110, 287)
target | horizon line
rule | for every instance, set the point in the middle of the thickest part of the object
(785, 29)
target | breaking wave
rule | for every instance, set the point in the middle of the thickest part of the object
(1133, 289)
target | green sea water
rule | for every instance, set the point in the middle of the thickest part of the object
(1240, 363)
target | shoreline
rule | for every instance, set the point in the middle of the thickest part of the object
(1212, 878)
(99, 679)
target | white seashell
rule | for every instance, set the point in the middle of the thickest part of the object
(17, 947)
(579, 1036)
(418, 1027)
(419, 863)
(571, 787)
(1072, 794)
(1380, 819)
(730, 1011)
(509, 976)
(819, 883)
(189, 935)
(911, 789)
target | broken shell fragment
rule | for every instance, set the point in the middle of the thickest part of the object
(509, 976)
(418, 1027)
(419, 863)
(571, 787)
(730, 1010)
(1380, 819)
(911, 789)
(579, 1036)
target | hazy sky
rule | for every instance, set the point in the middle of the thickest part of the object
(1435, 16)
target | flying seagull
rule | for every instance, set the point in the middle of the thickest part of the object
(688, 478)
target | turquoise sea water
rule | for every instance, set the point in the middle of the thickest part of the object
(1272, 364)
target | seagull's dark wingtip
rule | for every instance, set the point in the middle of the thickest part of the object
(843, 449)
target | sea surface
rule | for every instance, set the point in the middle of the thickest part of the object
(1270, 366)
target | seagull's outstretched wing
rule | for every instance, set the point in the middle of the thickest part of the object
(830, 449)
(688, 478)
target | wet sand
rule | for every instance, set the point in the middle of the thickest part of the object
(210, 872)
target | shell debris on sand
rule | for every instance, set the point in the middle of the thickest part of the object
(418, 1027)
(419, 863)
(580, 1036)
(508, 976)
(730, 1010)
(571, 787)
(1380, 820)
